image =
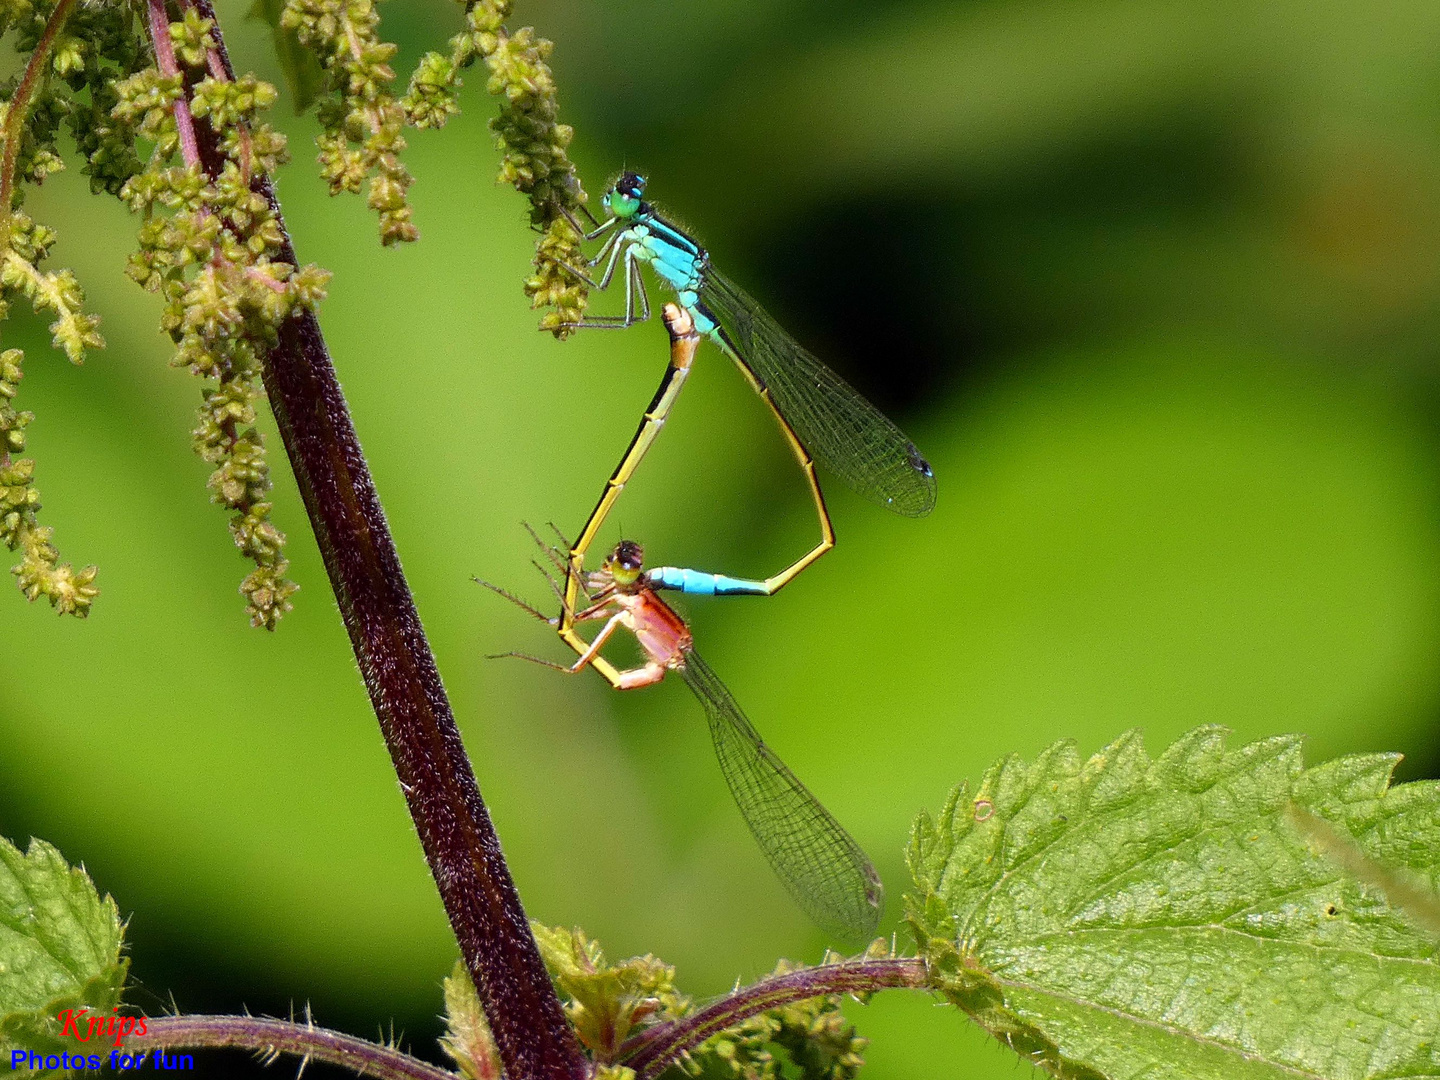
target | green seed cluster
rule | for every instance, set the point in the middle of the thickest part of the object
(814, 1035)
(606, 1002)
(57, 291)
(66, 85)
(532, 141)
(609, 1002)
(39, 572)
(363, 124)
(162, 126)
(210, 246)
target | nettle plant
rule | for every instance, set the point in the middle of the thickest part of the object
(1213, 912)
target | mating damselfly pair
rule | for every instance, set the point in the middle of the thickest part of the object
(823, 420)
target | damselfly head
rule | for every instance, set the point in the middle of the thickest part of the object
(623, 200)
(625, 562)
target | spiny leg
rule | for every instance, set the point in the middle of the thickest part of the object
(528, 608)
(526, 656)
(633, 283)
(620, 680)
(587, 236)
(560, 558)
(550, 551)
(629, 679)
(616, 249)
(596, 610)
(593, 649)
(556, 565)
(612, 246)
(550, 580)
(605, 249)
(564, 542)
(639, 283)
(521, 604)
(556, 556)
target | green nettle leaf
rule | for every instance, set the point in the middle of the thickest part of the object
(59, 949)
(303, 74)
(1124, 917)
(607, 1002)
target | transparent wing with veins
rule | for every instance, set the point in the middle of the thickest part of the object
(821, 866)
(843, 431)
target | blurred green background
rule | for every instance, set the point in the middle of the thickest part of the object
(1154, 285)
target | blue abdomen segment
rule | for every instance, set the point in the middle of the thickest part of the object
(696, 583)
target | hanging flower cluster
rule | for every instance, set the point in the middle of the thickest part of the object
(75, 53)
(532, 141)
(362, 122)
(211, 247)
(159, 123)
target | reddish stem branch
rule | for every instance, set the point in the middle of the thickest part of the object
(654, 1049)
(220, 73)
(531, 1032)
(271, 1038)
(166, 64)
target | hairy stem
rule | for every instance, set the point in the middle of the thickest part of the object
(533, 1037)
(19, 110)
(271, 1038)
(655, 1049)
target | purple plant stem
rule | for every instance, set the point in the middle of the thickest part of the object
(273, 1037)
(531, 1033)
(654, 1049)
